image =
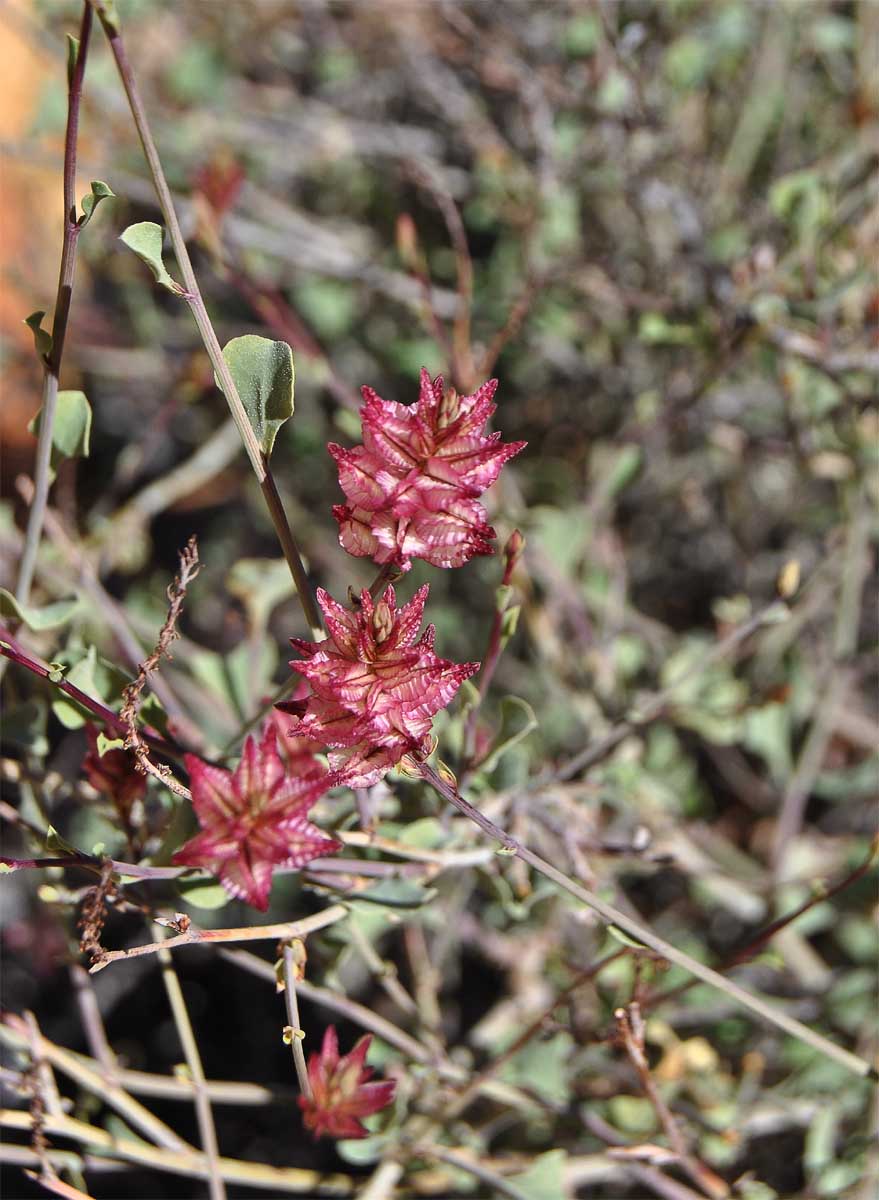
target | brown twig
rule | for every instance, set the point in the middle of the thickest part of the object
(248, 933)
(203, 1111)
(94, 913)
(189, 568)
(630, 1031)
(512, 554)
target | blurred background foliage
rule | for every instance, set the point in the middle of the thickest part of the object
(656, 223)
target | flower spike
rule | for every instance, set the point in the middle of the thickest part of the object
(376, 685)
(412, 487)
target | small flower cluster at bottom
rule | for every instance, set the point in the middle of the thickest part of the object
(340, 1090)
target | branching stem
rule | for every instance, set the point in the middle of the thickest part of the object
(614, 916)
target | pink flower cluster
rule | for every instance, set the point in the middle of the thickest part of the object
(412, 486)
(376, 685)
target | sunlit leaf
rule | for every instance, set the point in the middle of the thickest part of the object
(264, 376)
(100, 191)
(145, 239)
(42, 339)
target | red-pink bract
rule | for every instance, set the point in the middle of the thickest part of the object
(412, 486)
(254, 819)
(341, 1091)
(376, 685)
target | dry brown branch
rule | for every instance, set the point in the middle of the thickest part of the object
(248, 933)
(630, 1032)
(189, 568)
(94, 913)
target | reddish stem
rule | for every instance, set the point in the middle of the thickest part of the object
(12, 649)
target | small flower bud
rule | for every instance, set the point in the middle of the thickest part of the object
(382, 621)
(449, 408)
(407, 241)
(788, 579)
(514, 547)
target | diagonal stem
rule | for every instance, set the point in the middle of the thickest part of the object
(258, 460)
(613, 916)
(203, 1110)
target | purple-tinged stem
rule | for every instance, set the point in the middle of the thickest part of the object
(13, 650)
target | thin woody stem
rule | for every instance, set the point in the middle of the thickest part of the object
(247, 933)
(258, 460)
(203, 1111)
(614, 916)
(52, 362)
(296, 1031)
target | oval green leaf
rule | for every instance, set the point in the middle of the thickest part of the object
(49, 617)
(100, 191)
(145, 239)
(72, 428)
(264, 376)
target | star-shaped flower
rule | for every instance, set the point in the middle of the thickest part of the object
(376, 685)
(412, 486)
(341, 1091)
(254, 819)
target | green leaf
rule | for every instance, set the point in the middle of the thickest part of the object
(82, 675)
(261, 584)
(42, 340)
(49, 617)
(395, 893)
(100, 191)
(544, 1067)
(72, 52)
(72, 427)
(655, 330)
(545, 1178)
(264, 376)
(56, 843)
(153, 713)
(145, 239)
(201, 893)
(426, 833)
(24, 725)
(105, 744)
(509, 622)
(632, 1114)
(621, 936)
(511, 735)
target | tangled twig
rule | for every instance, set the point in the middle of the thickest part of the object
(134, 740)
(93, 914)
